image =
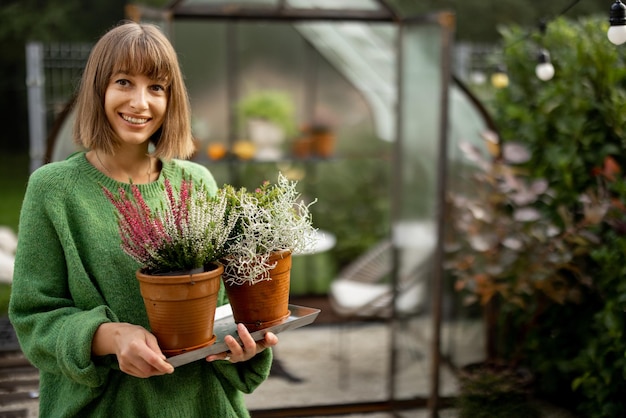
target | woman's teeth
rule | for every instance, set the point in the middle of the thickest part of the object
(134, 120)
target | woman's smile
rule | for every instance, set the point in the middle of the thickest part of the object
(134, 120)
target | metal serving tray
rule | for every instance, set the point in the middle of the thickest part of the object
(225, 325)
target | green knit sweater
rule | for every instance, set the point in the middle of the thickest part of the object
(71, 275)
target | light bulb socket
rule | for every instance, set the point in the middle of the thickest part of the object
(543, 57)
(617, 14)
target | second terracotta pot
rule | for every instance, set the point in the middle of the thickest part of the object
(265, 303)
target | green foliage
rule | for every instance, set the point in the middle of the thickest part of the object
(602, 362)
(13, 179)
(5, 294)
(572, 121)
(574, 126)
(271, 105)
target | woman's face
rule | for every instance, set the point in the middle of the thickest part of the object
(135, 106)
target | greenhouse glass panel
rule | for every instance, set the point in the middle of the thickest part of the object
(415, 224)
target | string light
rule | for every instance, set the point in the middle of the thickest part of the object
(500, 79)
(544, 69)
(617, 19)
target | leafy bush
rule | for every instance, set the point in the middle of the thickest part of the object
(574, 127)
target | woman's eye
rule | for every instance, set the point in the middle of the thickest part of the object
(158, 87)
(122, 82)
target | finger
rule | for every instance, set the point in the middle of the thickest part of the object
(154, 346)
(225, 355)
(155, 357)
(270, 340)
(245, 337)
(142, 369)
(160, 365)
(149, 362)
(235, 348)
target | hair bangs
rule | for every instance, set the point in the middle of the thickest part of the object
(142, 55)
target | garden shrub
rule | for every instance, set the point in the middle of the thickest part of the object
(574, 126)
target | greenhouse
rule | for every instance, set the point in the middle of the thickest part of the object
(377, 81)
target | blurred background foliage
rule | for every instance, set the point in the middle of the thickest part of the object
(574, 127)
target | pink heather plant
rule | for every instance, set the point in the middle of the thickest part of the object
(189, 233)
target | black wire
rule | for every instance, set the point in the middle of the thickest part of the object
(566, 9)
(543, 23)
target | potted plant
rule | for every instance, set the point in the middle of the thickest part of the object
(178, 247)
(268, 117)
(494, 390)
(273, 223)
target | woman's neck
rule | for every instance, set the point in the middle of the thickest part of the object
(139, 168)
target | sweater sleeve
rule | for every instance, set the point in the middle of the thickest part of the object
(54, 334)
(248, 375)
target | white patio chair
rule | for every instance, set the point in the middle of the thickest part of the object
(363, 290)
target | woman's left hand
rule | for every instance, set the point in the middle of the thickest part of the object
(248, 347)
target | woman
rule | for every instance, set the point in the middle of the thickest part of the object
(75, 304)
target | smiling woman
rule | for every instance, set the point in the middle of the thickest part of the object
(76, 305)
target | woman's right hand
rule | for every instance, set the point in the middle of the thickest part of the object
(137, 350)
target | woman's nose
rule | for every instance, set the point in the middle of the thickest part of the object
(139, 99)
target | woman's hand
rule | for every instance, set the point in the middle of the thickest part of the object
(248, 347)
(137, 350)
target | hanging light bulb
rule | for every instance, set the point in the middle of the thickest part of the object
(500, 79)
(617, 19)
(544, 69)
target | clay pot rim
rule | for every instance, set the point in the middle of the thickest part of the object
(173, 278)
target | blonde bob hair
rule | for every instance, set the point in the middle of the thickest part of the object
(133, 48)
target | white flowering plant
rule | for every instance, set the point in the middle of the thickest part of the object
(271, 218)
(190, 232)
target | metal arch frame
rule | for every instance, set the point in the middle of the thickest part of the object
(280, 12)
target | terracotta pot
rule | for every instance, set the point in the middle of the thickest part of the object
(324, 144)
(181, 308)
(302, 147)
(265, 303)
